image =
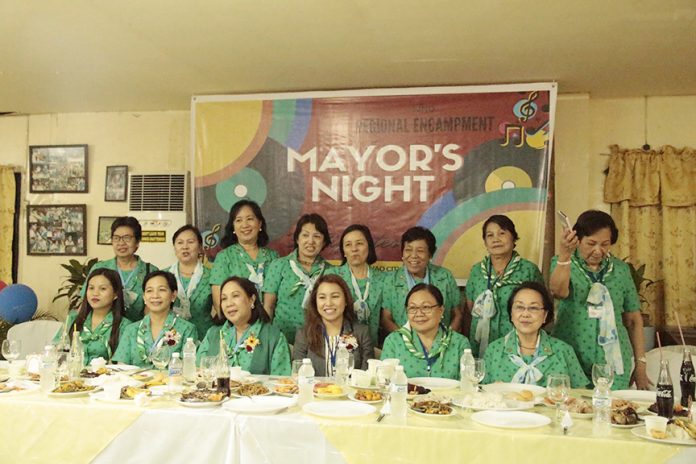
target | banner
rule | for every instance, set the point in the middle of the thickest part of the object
(444, 158)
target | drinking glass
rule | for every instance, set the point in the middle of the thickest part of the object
(602, 371)
(476, 372)
(160, 356)
(558, 390)
(207, 370)
(296, 364)
(384, 375)
(11, 350)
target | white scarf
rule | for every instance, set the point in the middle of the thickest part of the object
(182, 306)
(306, 281)
(362, 310)
(527, 373)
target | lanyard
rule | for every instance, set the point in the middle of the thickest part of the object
(332, 352)
(430, 361)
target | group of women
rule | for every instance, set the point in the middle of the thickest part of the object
(271, 309)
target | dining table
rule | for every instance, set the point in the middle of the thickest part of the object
(38, 428)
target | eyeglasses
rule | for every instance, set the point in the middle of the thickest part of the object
(122, 238)
(425, 309)
(532, 309)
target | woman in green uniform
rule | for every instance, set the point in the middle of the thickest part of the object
(290, 279)
(599, 308)
(100, 320)
(365, 282)
(492, 280)
(244, 251)
(159, 327)
(425, 346)
(193, 297)
(417, 248)
(252, 342)
(527, 354)
(126, 234)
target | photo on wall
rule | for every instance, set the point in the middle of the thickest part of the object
(56, 230)
(116, 186)
(58, 169)
(104, 229)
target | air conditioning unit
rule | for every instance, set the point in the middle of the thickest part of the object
(161, 202)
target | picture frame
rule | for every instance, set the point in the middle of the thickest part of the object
(58, 169)
(104, 229)
(116, 183)
(56, 230)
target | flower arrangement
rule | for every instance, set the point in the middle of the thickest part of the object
(171, 337)
(251, 342)
(350, 341)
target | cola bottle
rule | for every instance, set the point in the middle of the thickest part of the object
(687, 379)
(665, 391)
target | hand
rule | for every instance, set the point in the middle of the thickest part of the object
(569, 242)
(640, 377)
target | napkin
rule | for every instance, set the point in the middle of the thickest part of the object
(567, 421)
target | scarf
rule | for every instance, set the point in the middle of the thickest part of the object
(182, 305)
(145, 325)
(229, 335)
(100, 333)
(527, 373)
(138, 273)
(362, 310)
(306, 281)
(411, 282)
(444, 336)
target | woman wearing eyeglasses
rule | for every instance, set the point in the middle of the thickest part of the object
(527, 354)
(425, 346)
(125, 240)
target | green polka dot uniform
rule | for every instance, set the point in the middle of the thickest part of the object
(560, 359)
(446, 366)
(574, 326)
(233, 260)
(374, 297)
(396, 288)
(96, 345)
(500, 322)
(201, 302)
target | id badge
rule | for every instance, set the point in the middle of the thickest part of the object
(593, 312)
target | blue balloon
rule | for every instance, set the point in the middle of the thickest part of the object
(17, 303)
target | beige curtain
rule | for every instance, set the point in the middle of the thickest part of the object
(653, 201)
(7, 209)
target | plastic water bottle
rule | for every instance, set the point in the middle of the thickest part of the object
(342, 368)
(466, 363)
(399, 390)
(176, 378)
(601, 403)
(76, 356)
(305, 382)
(47, 373)
(189, 369)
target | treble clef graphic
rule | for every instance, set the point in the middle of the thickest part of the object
(528, 108)
(211, 240)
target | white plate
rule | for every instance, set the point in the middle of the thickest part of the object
(510, 405)
(72, 394)
(338, 409)
(632, 426)
(514, 387)
(371, 387)
(260, 405)
(642, 433)
(201, 404)
(510, 420)
(101, 397)
(433, 416)
(637, 396)
(237, 395)
(352, 397)
(434, 383)
(27, 387)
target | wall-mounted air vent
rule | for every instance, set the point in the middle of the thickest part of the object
(158, 192)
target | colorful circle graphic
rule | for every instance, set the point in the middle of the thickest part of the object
(247, 183)
(507, 177)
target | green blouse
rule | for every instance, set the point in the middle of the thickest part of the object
(560, 359)
(133, 285)
(282, 282)
(270, 356)
(134, 352)
(574, 327)
(374, 296)
(446, 366)
(234, 261)
(95, 341)
(478, 283)
(396, 288)
(201, 302)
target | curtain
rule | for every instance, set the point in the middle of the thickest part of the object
(7, 210)
(653, 201)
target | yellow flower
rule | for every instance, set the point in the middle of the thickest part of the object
(251, 342)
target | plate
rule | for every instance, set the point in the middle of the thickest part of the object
(260, 405)
(435, 383)
(330, 396)
(101, 397)
(351, 396)
(201, 404)
(25, 385)
(77, 394)
(338, 409)
(642, 433)
(510, 420)
(510, 405)
(637, 396)
(237, 395)
(632, 426)
(433, 416)
(582, 415)
(502, 387)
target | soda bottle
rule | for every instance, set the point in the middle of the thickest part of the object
(687, 379)
(665, 391)
(305, 381)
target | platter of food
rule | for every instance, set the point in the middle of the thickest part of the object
(525, 392)
(578, 408)
(17, 387)
(286, 389)
(678, 411)
(623, 414)
(637, 396)
(202, 399)
(435, 383)
(414, 390)
(484, 401)
(338, 409)
(366, 396)
(675, 435)
(328, 390)
(252, 389)
(432, 408)
(510, 419)
(262, 405)
(72, 389)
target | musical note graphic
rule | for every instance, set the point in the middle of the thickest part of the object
(210, 239)
(525, 109)
(510, 134)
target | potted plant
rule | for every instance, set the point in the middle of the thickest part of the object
(642, 284)
(70, 287)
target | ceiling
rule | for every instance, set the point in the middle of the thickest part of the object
(137, 55)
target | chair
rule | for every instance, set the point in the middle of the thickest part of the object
(673, 353)
(34, 335)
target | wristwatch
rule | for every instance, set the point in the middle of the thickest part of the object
(642, 359)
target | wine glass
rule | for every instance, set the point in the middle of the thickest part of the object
(207, 370)
(558, 390)
(160, 356)
(476, 372)
(11, 350)
(602, 371)
(296, 364)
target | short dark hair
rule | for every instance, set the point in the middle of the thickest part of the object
(168, 276)
(128, 221)
(230, 238)
(371, 252)
(318, 222)
(257, 311)
(432, 289)
(419, 233)
(541, 290)
(504, 223)
(592, 221)
(183, 229)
